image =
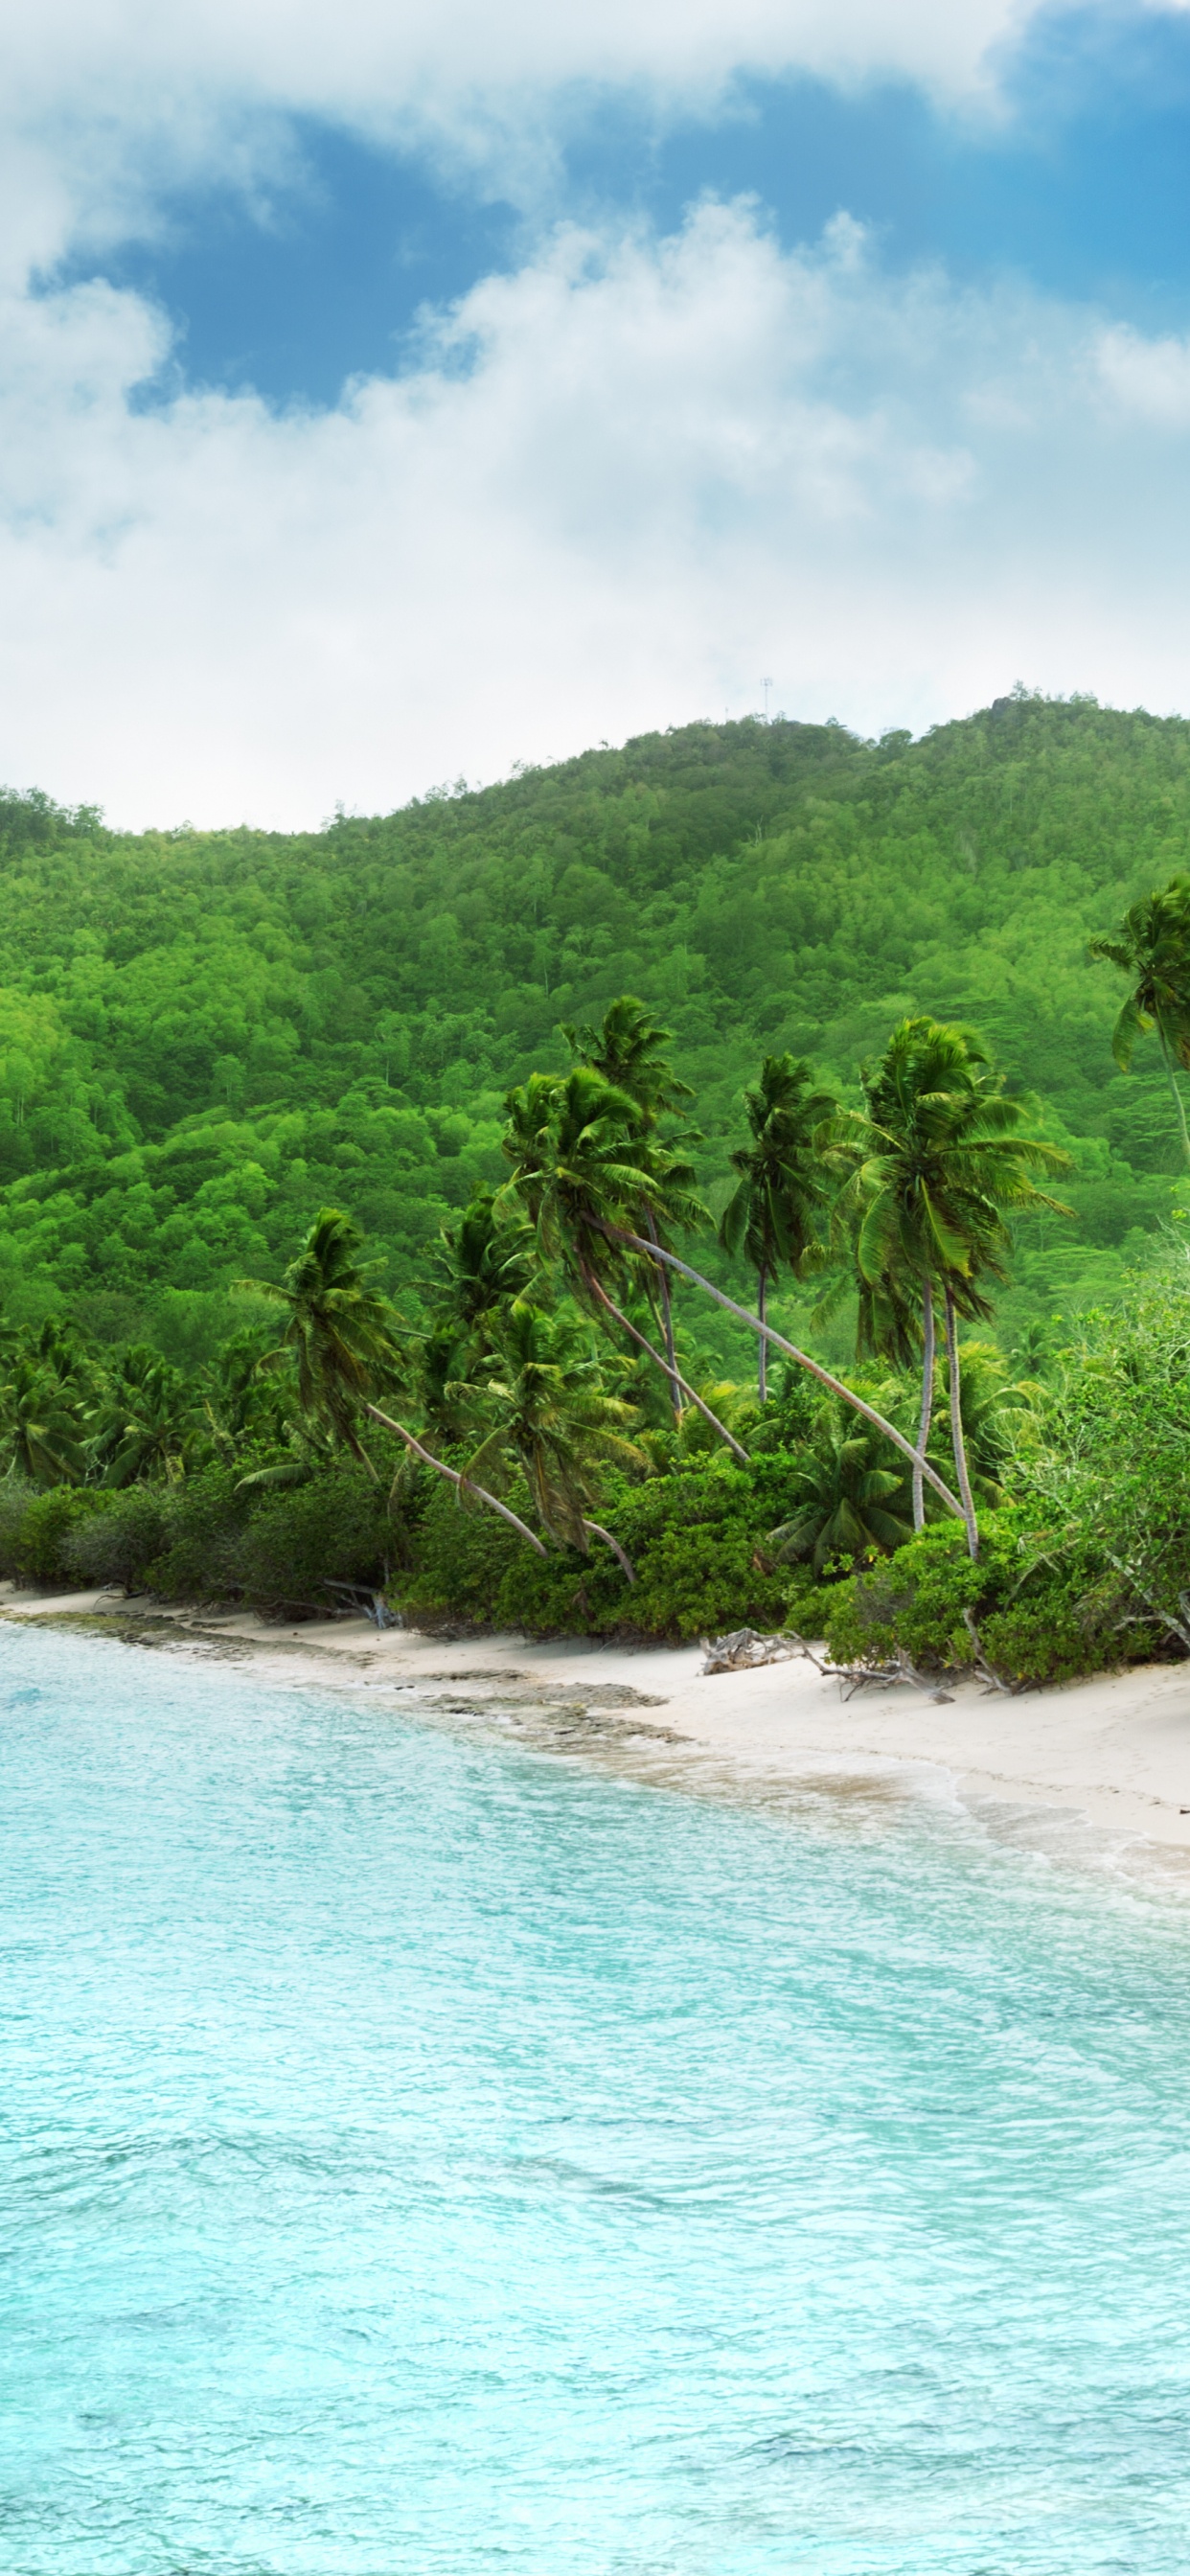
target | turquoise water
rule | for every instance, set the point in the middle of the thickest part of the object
(420, 2155)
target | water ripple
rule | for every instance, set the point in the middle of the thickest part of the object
(420, 2155)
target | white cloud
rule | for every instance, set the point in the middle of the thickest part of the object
(620, 486)
(1148, 378)
(369, 58)
(107, 104)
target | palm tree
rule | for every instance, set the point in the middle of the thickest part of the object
(992, 1404)
(47, 1404)
(548, 1414)
(580, 1168)
(482, 1264)
(580, 1160)
(44, 1429)
(629, 1051)
(782, 1186)
(1152, 947)
(148, 1422)
(338, 1331)
(239, 1406)
(938, 1159)
(842, 1499)
(341, 1336)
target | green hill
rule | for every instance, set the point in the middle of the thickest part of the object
(205, 1035)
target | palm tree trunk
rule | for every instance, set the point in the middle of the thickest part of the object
(927, 1403)
(667, 1326)
(597, 1531)
(616, 1234)
(599, 1291)
(957, 1441)
(359, 1453)
(762, 1364)
(1178, 1102)
(452, 1474)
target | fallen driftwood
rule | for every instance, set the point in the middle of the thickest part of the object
(871, 1676)
(357, 1597)
(744, 1648)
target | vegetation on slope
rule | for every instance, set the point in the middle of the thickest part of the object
(204, 1037)
(555, 1421)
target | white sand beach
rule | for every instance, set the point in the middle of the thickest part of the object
(1114, 1750)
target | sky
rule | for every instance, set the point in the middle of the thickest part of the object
(395, 393)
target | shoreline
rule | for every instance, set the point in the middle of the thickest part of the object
(1113, 1751)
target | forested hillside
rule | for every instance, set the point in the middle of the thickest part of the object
(205, 1036)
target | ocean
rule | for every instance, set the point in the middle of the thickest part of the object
(421, 2153)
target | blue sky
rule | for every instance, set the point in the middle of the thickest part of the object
(1081, 184)
(368, 420)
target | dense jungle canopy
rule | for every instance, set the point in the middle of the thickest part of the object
(206, 1035)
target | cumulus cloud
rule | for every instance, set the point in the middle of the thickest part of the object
(107, 105)
(368, 58)
(1148, 378)
(617, 487)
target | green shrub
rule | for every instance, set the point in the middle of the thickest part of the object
(460, 1555)
(1056, 1635)
(337, 1526)
(696, 1539)
(564, 1594)
(118, 1543)
(14, 1503)
(697, 1578)
(809, 1604)
(37, 1532)
(914, 1604)
(202, 1530)
(1041, 1615)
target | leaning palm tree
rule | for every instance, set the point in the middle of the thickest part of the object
(341, 1336)
(629, 1051)
(481, 1264)
(580, 1166)
(581, 1160)
(338, 1331)
(939, 1159)
(547, 1413)
(1152, 948)
(782, 1189)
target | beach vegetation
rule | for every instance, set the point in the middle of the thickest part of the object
(364, 1230)
(1152, 948)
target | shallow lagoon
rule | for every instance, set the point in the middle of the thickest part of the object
(423, 2155)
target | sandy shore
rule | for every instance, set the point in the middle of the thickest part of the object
(1114, 1751)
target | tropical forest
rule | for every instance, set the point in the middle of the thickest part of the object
(741, 1178)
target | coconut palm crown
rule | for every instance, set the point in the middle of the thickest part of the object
(629, 1051)
(583, 1167)
(842, 1498)
(546, 1412)
(940, 1161)
(1152, 948)
(782, 1192)
(338, 1330)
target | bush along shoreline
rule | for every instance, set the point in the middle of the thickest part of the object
(543, 1440)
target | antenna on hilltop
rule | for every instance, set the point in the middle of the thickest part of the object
(766, 686)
